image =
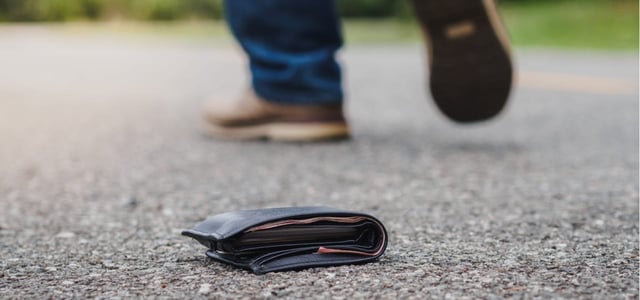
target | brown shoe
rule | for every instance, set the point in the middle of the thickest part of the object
(252, 117)
(470, 61)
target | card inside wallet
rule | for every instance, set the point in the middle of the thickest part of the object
(355, 235)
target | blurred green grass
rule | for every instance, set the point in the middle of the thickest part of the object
(574, 24)
(581, 24)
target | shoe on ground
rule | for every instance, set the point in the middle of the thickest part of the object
(469, 57)
(252, 117)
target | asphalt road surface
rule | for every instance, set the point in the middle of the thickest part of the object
(102, 164)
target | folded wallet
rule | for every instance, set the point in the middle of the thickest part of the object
(291, 238)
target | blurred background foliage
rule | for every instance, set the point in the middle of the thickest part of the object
(565, 23)
(156, 10)
(150, 10)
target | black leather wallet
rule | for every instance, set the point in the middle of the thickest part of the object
(280, 239)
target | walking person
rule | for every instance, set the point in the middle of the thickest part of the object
(296, 83)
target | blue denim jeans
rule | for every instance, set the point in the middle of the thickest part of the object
(291, 45)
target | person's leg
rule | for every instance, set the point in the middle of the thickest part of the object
(296, 92)
(291, 45)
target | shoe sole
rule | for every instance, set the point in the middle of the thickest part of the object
(285, 132)
(470, 64)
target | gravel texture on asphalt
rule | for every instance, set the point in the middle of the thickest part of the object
(102, 164)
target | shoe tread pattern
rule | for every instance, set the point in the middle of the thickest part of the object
(471, 75)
